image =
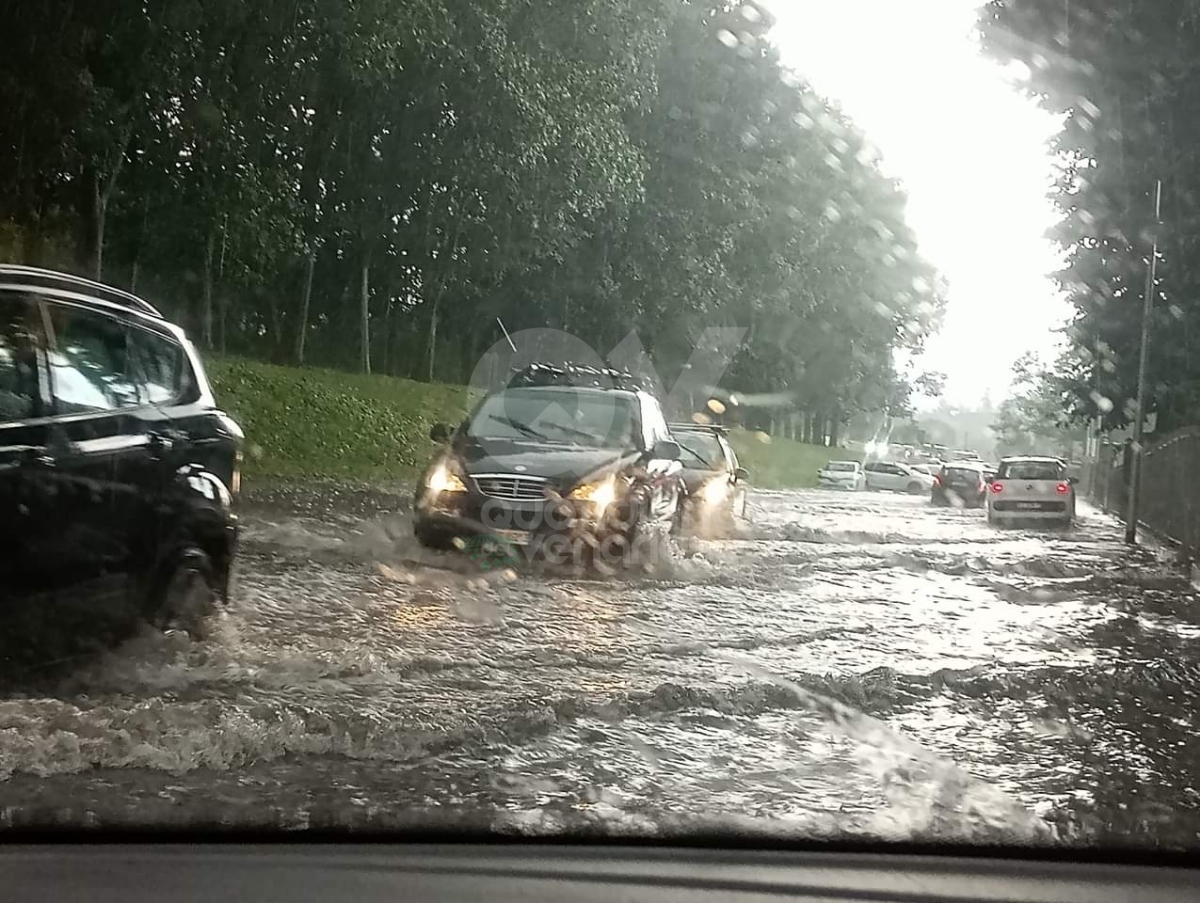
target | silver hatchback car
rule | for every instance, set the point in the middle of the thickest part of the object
(1031, 487)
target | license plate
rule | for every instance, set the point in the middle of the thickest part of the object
(520, 537)
(1029, 506)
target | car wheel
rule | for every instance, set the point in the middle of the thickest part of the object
(189, 595)
(432, 537)
(913, 488)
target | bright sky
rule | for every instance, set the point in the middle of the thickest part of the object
(972, 154)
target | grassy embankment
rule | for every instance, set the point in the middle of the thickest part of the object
(323, 424)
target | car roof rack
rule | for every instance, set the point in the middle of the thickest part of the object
(684, 425)
(35, 278)
(577, 376)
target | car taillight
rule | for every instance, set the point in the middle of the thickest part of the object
(937, 480)
(1063, 488)
(997, 487)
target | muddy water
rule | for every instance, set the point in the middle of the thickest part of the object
(855, 664)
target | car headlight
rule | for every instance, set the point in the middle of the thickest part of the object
(442, 479)
(601, 493)
(714, 491)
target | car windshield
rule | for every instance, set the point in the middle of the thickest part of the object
(961, 473)
(701, 450)
(571, 418)
(1030, 470)
(557, 416)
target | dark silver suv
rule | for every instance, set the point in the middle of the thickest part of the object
(118, 473)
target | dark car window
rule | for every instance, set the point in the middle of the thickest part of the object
(163, 367)
(19, 336)
(961, 474)
(90, 364)
(702, 450)
(557, 415)
(1030, 470)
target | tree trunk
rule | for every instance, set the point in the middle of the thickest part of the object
(365, 312)
(386, 353)
(100, 189)
(223, 298)
(835, 423)
(433, 323)
(141, 238)
(206, 301)
(100, 215)
(305, 297)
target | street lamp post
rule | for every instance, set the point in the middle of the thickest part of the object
(1135, 475)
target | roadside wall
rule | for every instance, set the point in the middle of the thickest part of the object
(1169, 503)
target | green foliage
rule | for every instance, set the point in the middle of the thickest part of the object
(1035, 418)
(1125, 80)
(324, 423)
(310, 423)
(424, 166)
(781, 463)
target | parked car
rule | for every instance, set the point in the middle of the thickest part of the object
(842, 475)
(562, 461)
(896, 477)
(715, 485)
(118, 472)
(960, 484)
(1031, 487)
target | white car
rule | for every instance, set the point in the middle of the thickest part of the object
(897, 477)
(842, 475)
(1031, 487)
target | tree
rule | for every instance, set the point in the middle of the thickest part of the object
(368, 185)
(1034, 419)
(1125, 80)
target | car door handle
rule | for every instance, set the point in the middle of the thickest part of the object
(161, 443)
(37, 456)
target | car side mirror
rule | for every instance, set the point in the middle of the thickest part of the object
(439, 432)
(742, 474)
(666, 450)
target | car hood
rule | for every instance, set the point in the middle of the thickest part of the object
(562, 464)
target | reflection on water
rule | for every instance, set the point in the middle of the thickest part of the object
(857, 664)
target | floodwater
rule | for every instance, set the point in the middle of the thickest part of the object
(855, 665)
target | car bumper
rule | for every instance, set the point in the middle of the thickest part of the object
(473, 514)
(948, 495)
(837, 484)
(1011, 513)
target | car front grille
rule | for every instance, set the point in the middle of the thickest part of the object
(512, 488)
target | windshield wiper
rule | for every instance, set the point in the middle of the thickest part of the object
(699, 457)
(517, 425)
(571, 431)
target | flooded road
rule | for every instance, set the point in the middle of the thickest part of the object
(857, 664)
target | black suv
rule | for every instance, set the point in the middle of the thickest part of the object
(118, 473)
(553, 465)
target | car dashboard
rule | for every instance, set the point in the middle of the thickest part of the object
(499, 873)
